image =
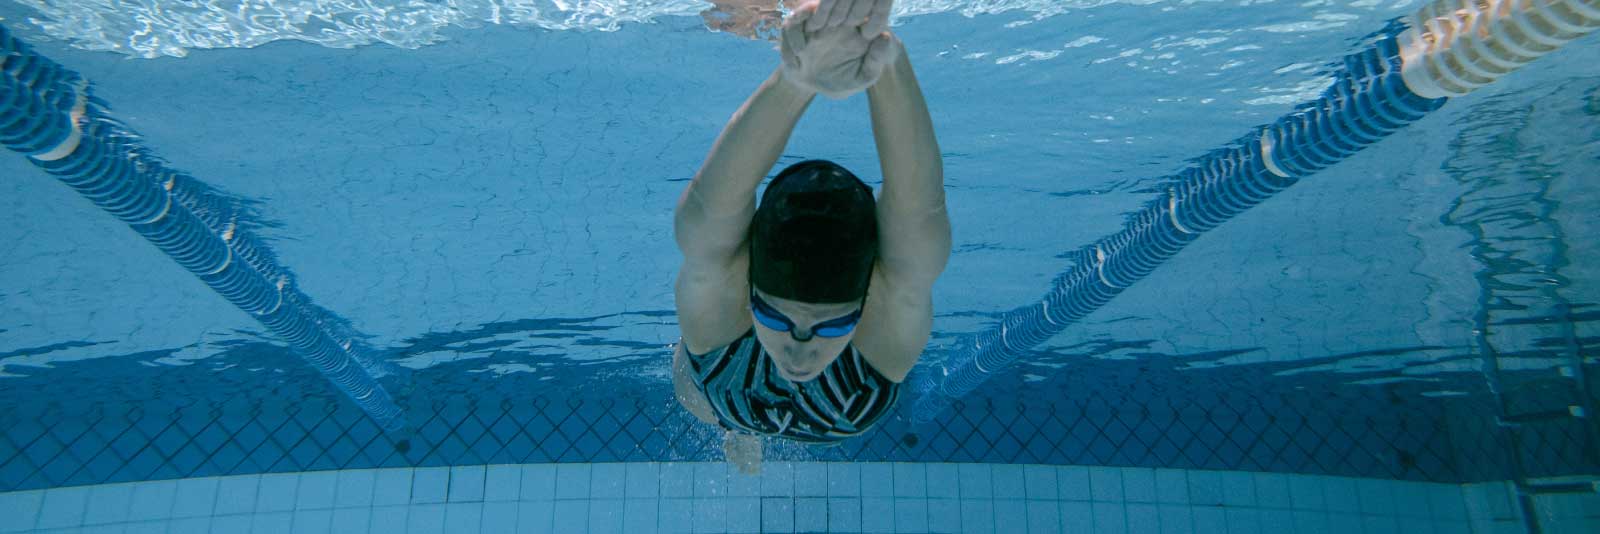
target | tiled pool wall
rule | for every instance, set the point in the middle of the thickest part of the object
(788, 497)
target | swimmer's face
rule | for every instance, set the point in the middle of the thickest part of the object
(800, 361)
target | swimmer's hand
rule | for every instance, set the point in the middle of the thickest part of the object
(838, 47)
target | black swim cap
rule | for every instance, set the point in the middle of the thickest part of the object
(814, 237)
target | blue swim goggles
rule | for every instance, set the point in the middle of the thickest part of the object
(772, 318)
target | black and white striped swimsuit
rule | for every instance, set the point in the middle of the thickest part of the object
(748, 395)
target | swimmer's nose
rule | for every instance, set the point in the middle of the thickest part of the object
(797, 334)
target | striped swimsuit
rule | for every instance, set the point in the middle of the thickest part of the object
(749, 396)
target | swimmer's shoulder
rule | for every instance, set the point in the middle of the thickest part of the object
(896, 324)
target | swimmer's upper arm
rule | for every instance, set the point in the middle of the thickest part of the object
(895, 325)
(688, 395)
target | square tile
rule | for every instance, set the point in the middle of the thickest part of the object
(1077, 516)
(1341, 495)
(463, 516)
(977, 515)
(810, 479)
(910, 515)
(811, 514)
(1010, 515)
(777, 479)
(195, 497)
(844, 479)
(63, 507)
(744, 484)
(275, 522)
(572, 481)
(389, 519)
(1411, 499)
(501, 483)
(1238, 488)
(1139, 484)
(536, 516)
(1039, 482)
(1143, 517)
(1072, 483)
(354, 488)
(1445, 502)
(153, 500)
(676, 515)
(425, 518)
(1375, 524)
(944, 515)
(1105, 484)
(1212, 519)
(313, 521)
(605, 515)
(430, 485)
(571, 515)
(877, 480)
(710, 480)
(315, 491)
(148, 527)
(353, 520)
(1008, 481)
(1312, 522)
(1417, 525)
(1340, 523)
(644, 481)
(1205, 489)
(236, 494)
(1175, 519)
(745, 515)
(910, 480)
(677, 480)
(1044, 516)
(501, 516)
(943, 481)
(976, 481)
(111, 502)
(1272, 490)
(606, 481)
(466, 483)
(710, 515)
(877, 514)
(1274, 521)
(1243, 520)
(844, 514)
(391, 487)
(1172, 486)
(1377, 496)
(1305, 493)
(776, 515)
(187, 525)
(639, 515)
(538, 483)
(1110, 517)
(220, 524)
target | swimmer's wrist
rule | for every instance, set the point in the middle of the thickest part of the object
(782, 81)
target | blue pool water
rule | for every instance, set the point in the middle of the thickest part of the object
(480, 196)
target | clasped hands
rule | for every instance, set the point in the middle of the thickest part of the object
(838, 47)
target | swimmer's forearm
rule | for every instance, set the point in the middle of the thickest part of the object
(911, 210)
(749, 146)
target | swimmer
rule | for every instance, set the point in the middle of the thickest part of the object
(803, 313)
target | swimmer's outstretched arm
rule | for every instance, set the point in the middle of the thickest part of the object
(913, 225)
(713, 217)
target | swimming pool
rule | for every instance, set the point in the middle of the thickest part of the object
(486, 209)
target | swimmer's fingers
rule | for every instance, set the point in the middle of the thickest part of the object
(824, 11)
(877, 17)
(879, 55)
(858, 13)
(794, 28)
